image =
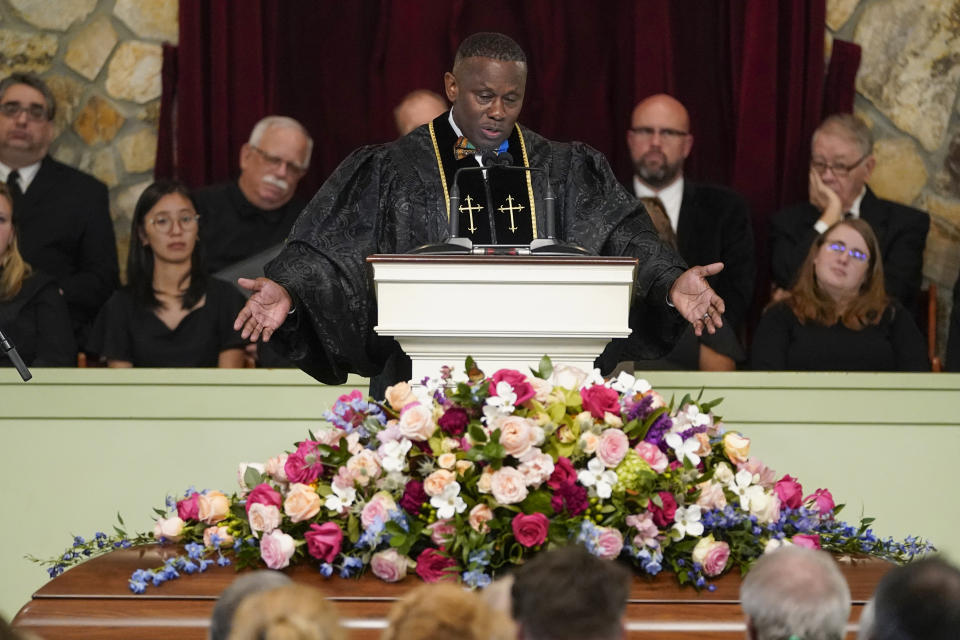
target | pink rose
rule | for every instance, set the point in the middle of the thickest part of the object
(365, 466)
(441, 532)
(323, 541)
(508, 486)
(609, 542)
(711, 555)
(305, 464)
(820, 501)
(377, 508)
(647, 531)
(264, 494)
(530, 530)
(599, 399)
(809, 541)
(652, 455)
(188, 508)
(613, 446)
(663, 516)
(516, 435)
(212, 507)
(416, 422)
(515, 379)
(762, 474)
(389, 565)
(274, 468)
(168, 529)
(434, 566)
(276, 549)
(264, 517)
(479, 516)
(789, 491)
(536, 467)
(711, 496)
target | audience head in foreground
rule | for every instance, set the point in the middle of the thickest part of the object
(293, 612)
(795, 592)
(246, 585)
(273, 161)
(568, 594)
(417, 108)
(441, 611)
(918, 601)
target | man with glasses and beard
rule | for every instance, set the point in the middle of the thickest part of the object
(254, 213)
(711, 224)
(65, 229)
(841, 162)
(318, 297)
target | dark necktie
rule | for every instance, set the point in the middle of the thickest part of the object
(13, 183)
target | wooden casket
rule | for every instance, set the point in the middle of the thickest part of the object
(93, 600)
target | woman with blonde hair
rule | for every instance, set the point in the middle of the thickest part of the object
(441, 611)
(838, 317)
(33, 314)
(294, 612)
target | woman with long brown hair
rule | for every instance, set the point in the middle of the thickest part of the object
(838, 316)
(33, 314)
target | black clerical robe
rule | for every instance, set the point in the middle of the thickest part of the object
(390, 198)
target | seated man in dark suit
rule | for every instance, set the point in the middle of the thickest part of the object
(248, 216)
(711, 223)
(840, 165)
(64, 214)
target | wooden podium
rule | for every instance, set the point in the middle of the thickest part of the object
(92, 600)
(505, 311)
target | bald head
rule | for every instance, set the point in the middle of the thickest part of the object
(659, 140)
(417, 108)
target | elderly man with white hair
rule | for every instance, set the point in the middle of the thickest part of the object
(795, 592)
(242, 218)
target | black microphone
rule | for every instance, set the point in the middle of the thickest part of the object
(7, 347)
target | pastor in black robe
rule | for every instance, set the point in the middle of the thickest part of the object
(390, 198)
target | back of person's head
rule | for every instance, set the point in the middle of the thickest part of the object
(569, 593)
(417, 108)
(293, 612)
(443, 611)
(13, 268)
(239, 589)
(810, 302)
(798, 592)
(140, 260)
(918, 601)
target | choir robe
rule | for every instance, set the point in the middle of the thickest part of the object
(391, 198)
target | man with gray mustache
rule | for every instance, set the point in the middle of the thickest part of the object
(246, 217)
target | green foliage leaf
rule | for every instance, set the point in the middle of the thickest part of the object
(477, 434)
(252, 477)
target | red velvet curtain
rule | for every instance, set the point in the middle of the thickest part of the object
(751, 73)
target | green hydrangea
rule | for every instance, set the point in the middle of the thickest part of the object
(634, 474)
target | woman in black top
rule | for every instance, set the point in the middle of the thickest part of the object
(838, 316)
(33, 314)
(170, 314)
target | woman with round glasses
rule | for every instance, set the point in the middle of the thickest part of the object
(33, 314)
(838, 317)
(170, 314)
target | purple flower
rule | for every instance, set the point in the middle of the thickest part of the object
(658, 429)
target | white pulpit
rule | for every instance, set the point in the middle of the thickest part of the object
(505, 311)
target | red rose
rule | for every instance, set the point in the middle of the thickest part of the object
(808, 541)
(515, 379)
(188, 508)
(323, 541)
(433, 566)
(454, 421)
(563, 474)
(530, 530)
(263, 493)
(663, 516)
(599, 399)
(789, 491)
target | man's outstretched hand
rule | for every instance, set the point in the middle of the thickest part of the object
(265, 311)
(696, 301)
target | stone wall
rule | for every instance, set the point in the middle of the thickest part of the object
(102, 59)
(907, 92)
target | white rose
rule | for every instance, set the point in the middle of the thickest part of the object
(170, 529)
(264, 517)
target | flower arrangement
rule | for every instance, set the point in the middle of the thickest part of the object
(461, 477)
